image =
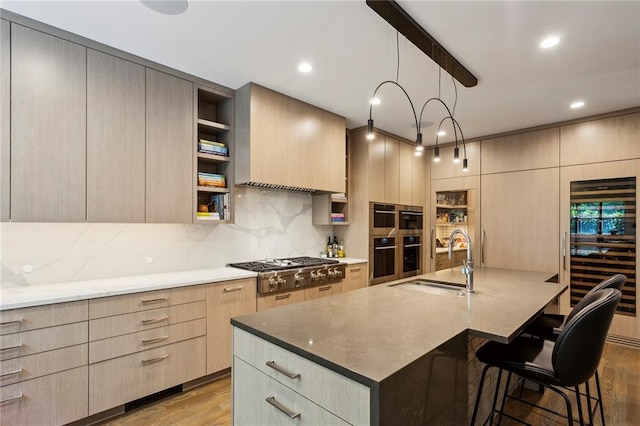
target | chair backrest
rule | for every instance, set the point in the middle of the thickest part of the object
(615, 281)
(579, 346)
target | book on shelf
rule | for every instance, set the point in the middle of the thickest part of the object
(214, 143)
(212, 179)
(208, 215)
(220, 205)
(212, 149)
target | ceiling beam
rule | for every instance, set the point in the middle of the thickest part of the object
(391, 12)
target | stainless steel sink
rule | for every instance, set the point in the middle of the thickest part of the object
(431, 286)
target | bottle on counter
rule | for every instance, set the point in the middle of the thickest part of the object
(341, 252)
(334, 247)
(329, 247)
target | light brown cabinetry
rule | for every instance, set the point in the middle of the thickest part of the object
(224, 301)
(443, 261)
(355, 277)
(446, 168)
(322, 290)
(520, 220)
(169, 152)
(48, 128)
(606, 139)
(384, 169)
(115, 139)
(522, 151)
(275, 300)
(285, 142)
(43, 366)
(412, 189)
(143, 343)
(5, 120)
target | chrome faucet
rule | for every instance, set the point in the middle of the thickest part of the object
(467, 265)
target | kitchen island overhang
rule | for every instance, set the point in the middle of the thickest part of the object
(411, 348)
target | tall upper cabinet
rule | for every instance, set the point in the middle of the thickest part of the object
(5, 119)
(115, 139)
(48, 128)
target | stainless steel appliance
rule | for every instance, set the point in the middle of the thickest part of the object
(277, 275)
(410, 219)
(382, 219)
(383, 252)
(411, 256)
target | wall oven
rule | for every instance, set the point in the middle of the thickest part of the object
(410, 256)
(382, 219)
(410, 219)
(383, 252)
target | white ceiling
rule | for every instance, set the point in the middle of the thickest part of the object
(352, 50)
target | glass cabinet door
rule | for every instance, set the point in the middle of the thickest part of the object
(603, 237)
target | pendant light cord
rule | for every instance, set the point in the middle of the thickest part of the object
(398, 56)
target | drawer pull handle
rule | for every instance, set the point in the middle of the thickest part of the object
(13, 398)
(11, 322)
(292, 414)
(155, 320)
(154, 340)
(6, 348)
(283, 296)
(152, 360)
(11, 373)
(324, 288)
(289, 374)
(230, 289)
(159, 300)
(355, 269)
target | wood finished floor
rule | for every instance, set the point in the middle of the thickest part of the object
(211, 404)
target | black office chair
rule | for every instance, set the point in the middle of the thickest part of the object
(569, 361)
(548, 326)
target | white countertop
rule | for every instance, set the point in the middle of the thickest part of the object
(35, 295)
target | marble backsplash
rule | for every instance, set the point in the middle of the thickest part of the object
(268, 223)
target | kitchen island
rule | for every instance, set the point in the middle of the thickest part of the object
(382, 355)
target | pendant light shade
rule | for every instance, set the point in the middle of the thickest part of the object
(465, 167)
(419, 146)
(456, 155)
(436, 154)
(370, 134)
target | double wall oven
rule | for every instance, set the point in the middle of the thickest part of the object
(395, 242)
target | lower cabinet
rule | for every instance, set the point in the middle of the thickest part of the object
(127, 378)
(226, 300)
(443, 261)
(281, 299)
(323, 290)
(356, 277)
(54, 399)
(272, 385)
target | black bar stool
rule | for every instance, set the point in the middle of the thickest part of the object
(548, 326)
(569, 361)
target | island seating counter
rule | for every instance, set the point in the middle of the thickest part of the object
(382, 355)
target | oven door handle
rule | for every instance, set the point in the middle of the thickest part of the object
(384, 212)
(384, 248)
(412, 213)
(412, 245)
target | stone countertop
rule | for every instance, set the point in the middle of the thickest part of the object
(371, 333)
(13, 297)
(25, 296)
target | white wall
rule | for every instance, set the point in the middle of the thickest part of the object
(268, 224)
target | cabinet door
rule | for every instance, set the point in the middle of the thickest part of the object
(355, 278)
(224, 301)
(520, 222)
(523, 151)
(419, 180)
(48, 128)
(169, 154)
(405, 173)
(391, 170)
(115, 139)
(377, 169)
(5, 120)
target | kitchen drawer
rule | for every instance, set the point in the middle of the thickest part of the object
(23, 319)
(44, 339)
(118, 325)
(33, 366)
(116, 305)
(338, 394)
(120, 380)
(280, 299)
(55, 399)
(250, 407)
(321, 291)
(102, 350)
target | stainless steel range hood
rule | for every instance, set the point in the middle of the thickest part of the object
(283, 143)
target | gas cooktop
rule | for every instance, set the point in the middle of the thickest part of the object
(270, 265)
(278, 275)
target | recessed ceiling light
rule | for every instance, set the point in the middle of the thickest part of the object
(375, 101)
(305, 67)
(167, 7)
(549, 42)
(577, 104)
(442, 133)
